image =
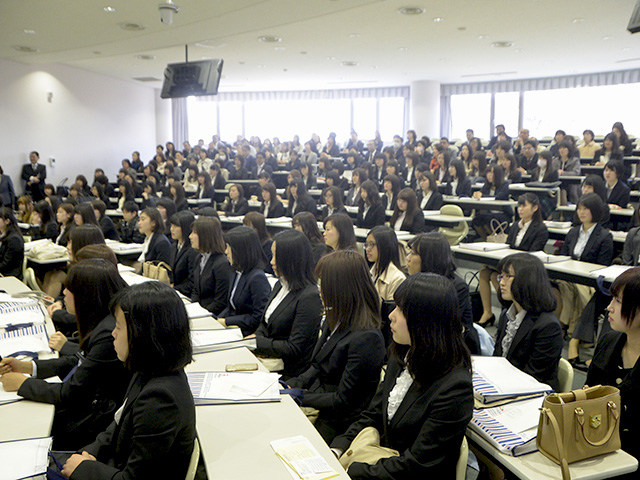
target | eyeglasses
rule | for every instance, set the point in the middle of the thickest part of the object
(369, 245)
(504, 276)
(411, 253)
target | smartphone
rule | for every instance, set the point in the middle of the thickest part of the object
(241, 367)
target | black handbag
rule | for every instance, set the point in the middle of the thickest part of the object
(474, 295)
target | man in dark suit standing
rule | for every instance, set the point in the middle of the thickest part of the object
(34, 174)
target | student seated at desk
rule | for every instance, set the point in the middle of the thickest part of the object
(129, 232)
(545, 170)
(271, 206)
(299, 198)
(431, 253)
(83, 214)
(154, 434)
(25, 209)
(156, 246)
(631, 250)
(184, 258)
(459, 184)
(177, 194)
(511, 171)
(358, 177)
(339, 233)
(390, 188)
(370, 209)
(406, 214)
(529, 234)
(595, 184)
(617, 192)
(106, 224)
(346, 362)
(610, 150)
(212, 273)
(248, 285)
(64, 216)
(429, 198)
(92, 388)
(498, 188)
(236, 205)
(257, 221)
(167, 208)
(333, 202)
(45, 224)
(425, 402)
(289, 327)
(306, 223)
(615, 361)
(529, 334)
(381, 249)
(11, 245)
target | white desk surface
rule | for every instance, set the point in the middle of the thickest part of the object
(624, 212)
(234, 439)
(535, 466)
(521, 187)
(24, 419)
(479, 203)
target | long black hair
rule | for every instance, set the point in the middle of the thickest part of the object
(530, 288)
(387, 245)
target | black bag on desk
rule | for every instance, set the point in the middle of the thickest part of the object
(474, 295)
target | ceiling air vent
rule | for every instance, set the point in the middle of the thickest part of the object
(147, 79)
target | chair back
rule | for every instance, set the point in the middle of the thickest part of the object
(565, 375)
(454, 235)
(461, 466)
(30, 280)
(193, 463)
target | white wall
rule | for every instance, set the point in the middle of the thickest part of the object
(92, 120)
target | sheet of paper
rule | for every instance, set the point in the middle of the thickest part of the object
(195, 310)
(518, 417)
(504, 377)
(24, 458)
(302, 457)
(30, 339)
(8, 397)
(200, 338)
(20, 311)
(234, 386)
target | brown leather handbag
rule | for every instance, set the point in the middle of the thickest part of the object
(579, 424)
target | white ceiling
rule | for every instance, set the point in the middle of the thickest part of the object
(550, 37)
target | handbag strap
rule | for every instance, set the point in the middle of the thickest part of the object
(612, 410)
(564, 465)
(498, 228)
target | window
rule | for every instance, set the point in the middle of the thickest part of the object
(391, 118)
(471, 111)
(231, 121)
(203, 119)
(507, 109)
(364, 118)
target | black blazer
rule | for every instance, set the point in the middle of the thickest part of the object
(108, 228)
(292, 329)
(36, 189)
(534, 239)
(501, 193)
(631, 250)
(207, 193)
(604, 370)
(184, 263)
(306, 204)
(241, 174)
(182, 205)
(550, 175)
(325, 212)
(159, 249)
(211, 286)
(536, 348)
(12, 255)
(276, 209)
(240, 208)
(462, 190)
(413, 224)
(600, 153)
(342, 378)
(619, 195)
(375, 216)
(154, 437)
(51, 232)
(471, 337)
(599, 247)
(427, 429)
(350, 200)
(7, 192)
(435, 201)
(250, 299)
(64, 238)
(85, 403)
(385, 201)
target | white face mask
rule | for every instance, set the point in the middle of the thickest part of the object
(223, 157)
(396, 144)
(542, 163)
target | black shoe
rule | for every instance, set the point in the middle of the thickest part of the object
(578, 365)
(491, 321)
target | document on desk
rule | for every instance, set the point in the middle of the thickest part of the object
(495, 379)
(33, 338)
(484, 246)
(19, 311)
(511, 428)
(612, 272)
(214, 340)
(218, 388)
(24, 458)
(302, 459)
(546, 258)
(8, 397)
(195, 310)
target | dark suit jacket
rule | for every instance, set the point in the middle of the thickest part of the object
(413, 224)
(342, 378)
(211, 286)
(108, 228)
(325, 212)
(184, 263)
(550, 175)
(466, 314)
(307, 204)
(7, 192)
(208, 193)
(276, 209)
(599, 248)
(292, 329)
(250, 299)
(375, 216)
(159, 249)
(601, 152)
(35, 189)
(154, 437)
(51, 231)
(129, 232)
(427, 429)
(385, 202)
(241, 174)
(619, 195)
(85, 403)
(462, 190)
(534, 239)
(12, 255)
(604, 370)
(536, 348)
(240, 208)
(435, 201)
(501, 193)
(64, 239)
(631, 250)
(265, 168)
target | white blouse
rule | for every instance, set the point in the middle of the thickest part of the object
(399, 391)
